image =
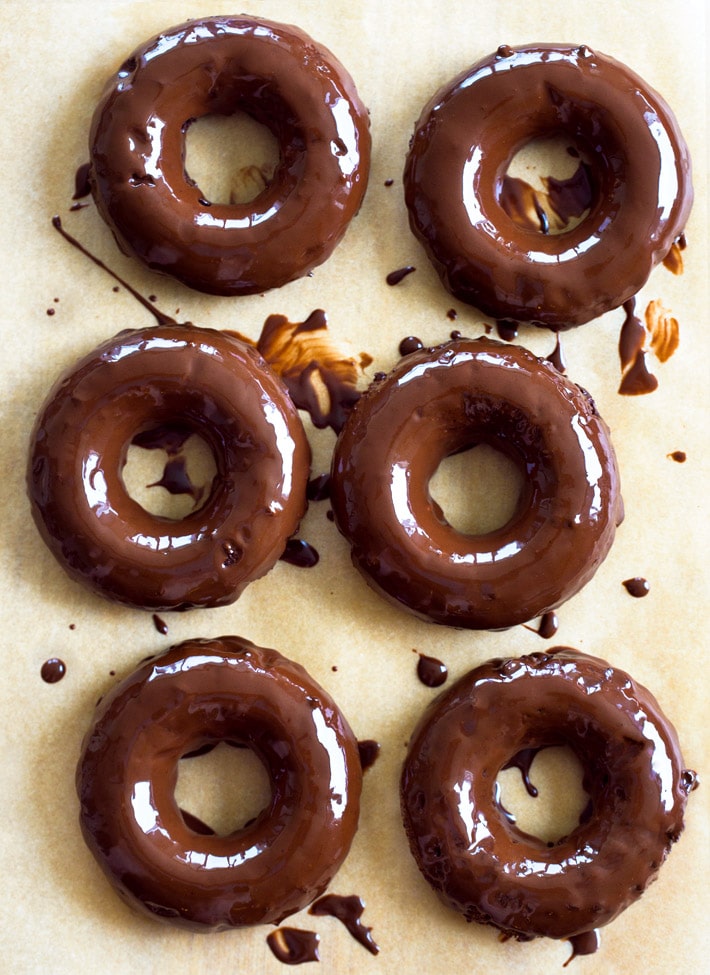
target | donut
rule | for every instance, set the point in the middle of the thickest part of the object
(198, 693)
(280, 77)
(467, 136)
(476, 859)
(437, 402)
(215, 386)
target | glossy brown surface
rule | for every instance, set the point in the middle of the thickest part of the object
(284, 80)
(464, 141)
(138, 381)
(440, 401)
(202, 692)
(477, 860)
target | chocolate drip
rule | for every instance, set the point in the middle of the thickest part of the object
(176, 480)
(507, 330)
(300, 553)
(169, 437)
(160, 624)
(195, 824)
(556, 357)
(549, 625)
(369, 750)
(586, 943)
(292, 946)
(410, 344)
(82, 186)
(637, 587)
(53, 670)
(389, 182)
(347, 910)
(318, 488)
(430, 671)
(522, 761)
(452, 314)
(394, 277)
(161, 318)
(679, 456)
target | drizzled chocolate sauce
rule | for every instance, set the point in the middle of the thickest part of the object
(430, 671)
(637, 587)
(300, 553)
(348, 910)
(292, 946)
(369, 750)
(394, 277)
(159, 316)
(410, 344)
(160, 624)
(53, 670)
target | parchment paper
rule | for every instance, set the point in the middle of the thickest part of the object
(58, 913)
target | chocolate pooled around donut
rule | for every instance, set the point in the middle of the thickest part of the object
(465, 140)
(199, 693)
(465, 843)
(437, 402)
(283, 79)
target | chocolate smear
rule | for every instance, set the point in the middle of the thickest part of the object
(292, 946)
(349, 911)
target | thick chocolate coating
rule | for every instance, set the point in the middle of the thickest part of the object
(437, 402)
(196, 694)
(217, 387)
(482, 865)
(283, 79)
(464, 142)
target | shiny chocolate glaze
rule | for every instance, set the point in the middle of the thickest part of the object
(284, 80)
(140, 380)
(464, 141)
(437, 402)
(479, 863)
(197, 693)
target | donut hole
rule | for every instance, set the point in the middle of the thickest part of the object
(231, 158)
(556, 773)
(548, 186)
(169, 471)
(220, 789)
(477, 489)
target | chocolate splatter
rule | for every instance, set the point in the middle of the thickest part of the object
(637, 587)
(314, 370)
(293, 947)
(53, 670)
(160, 624)
(430, 671)
(348, 910)
(369, 750)
(394, 277)
(300, 553)
(161, 318)
(82, 186)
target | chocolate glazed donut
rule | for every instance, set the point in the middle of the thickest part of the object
(467, 136)
(283, 79)
(198, 693)
(211, 384)
(467, 848)
(437, 402)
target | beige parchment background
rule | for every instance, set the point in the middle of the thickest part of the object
(57, 914)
